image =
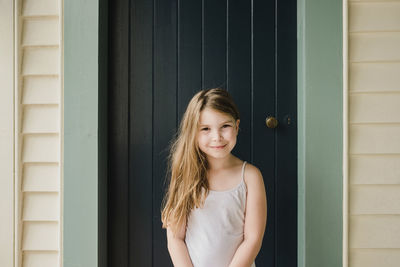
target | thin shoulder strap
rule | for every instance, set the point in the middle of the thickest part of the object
(244, 164)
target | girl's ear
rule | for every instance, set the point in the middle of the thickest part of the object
(237, 126)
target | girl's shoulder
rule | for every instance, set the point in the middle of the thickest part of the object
(252, 174)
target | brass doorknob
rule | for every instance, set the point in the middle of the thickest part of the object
(271, 122)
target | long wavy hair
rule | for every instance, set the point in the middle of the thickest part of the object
(187, 168)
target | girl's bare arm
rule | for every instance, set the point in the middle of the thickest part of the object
(255, 219)
(177, 248)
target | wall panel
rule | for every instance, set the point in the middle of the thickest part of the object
(39, 141)
(7, 177)
(374, 130)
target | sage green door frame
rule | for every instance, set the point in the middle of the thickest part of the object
(320, 138)
(319, 133)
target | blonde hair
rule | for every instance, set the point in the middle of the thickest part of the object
(187, 163)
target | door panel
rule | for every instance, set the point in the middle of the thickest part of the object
(140, 134)
(286, 134)
(214, 44)
(161, 53)
(118, 136)
(165, 114)
(264, 104)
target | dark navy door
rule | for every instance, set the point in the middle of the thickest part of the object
(160, 53)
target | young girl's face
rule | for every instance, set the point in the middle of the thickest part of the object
(216, 133)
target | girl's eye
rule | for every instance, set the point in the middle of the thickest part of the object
(205, 129)
(226, 126)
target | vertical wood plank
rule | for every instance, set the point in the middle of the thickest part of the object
(286, 142)
(165, 87)
(239, 70)
(118, 134)
(190, 52)
(141, 134)
(263, 98)
(214, 44)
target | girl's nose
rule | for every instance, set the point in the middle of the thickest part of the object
(216, 136)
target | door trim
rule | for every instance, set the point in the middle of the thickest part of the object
(85, 153)
(320, 137)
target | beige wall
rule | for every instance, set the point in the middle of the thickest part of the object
(40, 91)
(31, 123)
(6, 133)
(374, 133)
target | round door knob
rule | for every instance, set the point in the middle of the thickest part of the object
(271, 122)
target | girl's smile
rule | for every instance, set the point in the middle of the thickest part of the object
(218, 147)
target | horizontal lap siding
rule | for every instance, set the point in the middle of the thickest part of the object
(39, 100)
(374, 131)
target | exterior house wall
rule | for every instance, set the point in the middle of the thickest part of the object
(39, 92)
(31, 133)
(374, 131)
(6, 133)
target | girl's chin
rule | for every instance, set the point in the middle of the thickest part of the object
(218, 155)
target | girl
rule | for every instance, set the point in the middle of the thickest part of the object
(215, 207)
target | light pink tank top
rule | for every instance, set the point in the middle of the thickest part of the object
(215, 231)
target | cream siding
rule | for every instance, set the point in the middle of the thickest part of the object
(7, 68)
(39, 131)
(374, 133)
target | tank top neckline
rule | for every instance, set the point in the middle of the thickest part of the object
(234, 188)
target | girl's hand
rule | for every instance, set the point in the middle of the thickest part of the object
(177, 248)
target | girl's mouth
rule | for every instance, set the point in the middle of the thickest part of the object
(218, 147)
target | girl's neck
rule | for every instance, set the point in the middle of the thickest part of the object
(215, 164)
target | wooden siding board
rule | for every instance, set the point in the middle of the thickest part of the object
(375, 16)
(40, 236)
(374, 108)
(41, 177)
(41, 90)
(41, 60)
(41, 206)
(40, 259)
(374, 231)
(40, 32)
(41, 148)
(374, 199)
(40, 7)
(374, 139)
(374, 169)
(374, 257)
(374, 46)
(41, 119)
(374, 77)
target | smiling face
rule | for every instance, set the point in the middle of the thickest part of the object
(217, 133)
